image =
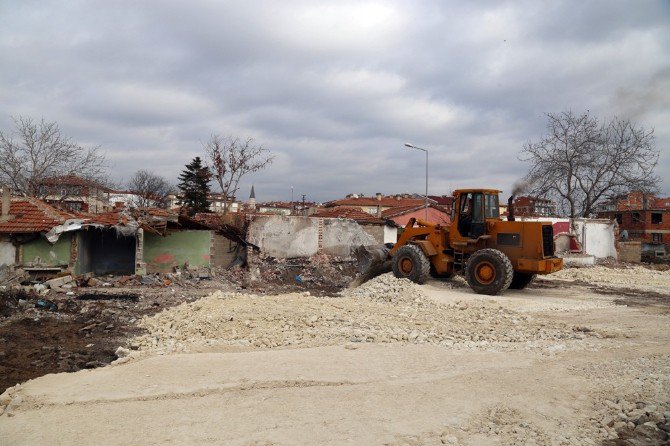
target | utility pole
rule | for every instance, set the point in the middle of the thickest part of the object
(426, 151)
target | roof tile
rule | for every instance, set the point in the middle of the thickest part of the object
(32, 215)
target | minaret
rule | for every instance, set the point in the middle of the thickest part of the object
(252, 199)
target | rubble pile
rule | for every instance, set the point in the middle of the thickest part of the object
(387, 288)
(633, 404)
(638, 422)
(633, 276)
(317, 273)
(384, 310)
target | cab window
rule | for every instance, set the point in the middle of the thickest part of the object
(492, 206)
(477, 209)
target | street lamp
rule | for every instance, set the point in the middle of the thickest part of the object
(410, 146)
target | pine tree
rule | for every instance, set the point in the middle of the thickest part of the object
(194, 186)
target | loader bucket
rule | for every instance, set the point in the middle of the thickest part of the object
(371, 261)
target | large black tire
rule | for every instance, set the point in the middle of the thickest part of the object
(521, 280)
(489, 271)
(409, 262)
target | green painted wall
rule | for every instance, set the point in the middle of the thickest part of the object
(57, 254)
(162, 254)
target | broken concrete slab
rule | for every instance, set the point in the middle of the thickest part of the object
(59, 282)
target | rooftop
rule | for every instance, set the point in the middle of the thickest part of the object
(351, 213)
(387, 201)
(33, 215)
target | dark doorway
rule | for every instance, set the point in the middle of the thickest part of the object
(104, 251)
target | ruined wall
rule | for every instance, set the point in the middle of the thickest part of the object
(285, 237)
(630, 251)
(162, 254)
(340, 236)
(375, 231)
(381, 233)
(596, 236)
(41, 252)
(7, 251)
(222, 251)
(83, 263)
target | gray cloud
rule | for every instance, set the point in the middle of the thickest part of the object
(333, 88)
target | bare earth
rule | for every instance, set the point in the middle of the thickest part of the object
(388, 363)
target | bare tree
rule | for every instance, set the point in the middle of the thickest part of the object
(231, 159)
(581, 161)
(151, 189)
(35, 151)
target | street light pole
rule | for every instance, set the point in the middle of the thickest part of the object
(410, 146)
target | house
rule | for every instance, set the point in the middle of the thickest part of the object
(22, 223)
(75, 194)
(218, 203)
(401, 215)
(446, 202)
(377, 204)
(643, 217)
(526, 206)
(132, 199)
(42, 240)
(275, 207)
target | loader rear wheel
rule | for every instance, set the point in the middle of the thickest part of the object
(521, 280)
(489, 271)
(409, 262)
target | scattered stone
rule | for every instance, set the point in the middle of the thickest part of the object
(122, 352)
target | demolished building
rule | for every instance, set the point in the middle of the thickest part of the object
(43, 240)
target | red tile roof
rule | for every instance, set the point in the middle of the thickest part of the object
(373, 201)
(394, 212)
(110, 218)
(32, 215)
(350, 213)
(442, 200)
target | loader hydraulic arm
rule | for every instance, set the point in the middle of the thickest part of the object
(411, 232)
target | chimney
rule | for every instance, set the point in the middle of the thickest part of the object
(379, 196)
(6, 194)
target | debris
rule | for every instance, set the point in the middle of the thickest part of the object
(122, 352)
(46, 305)
(59, 281)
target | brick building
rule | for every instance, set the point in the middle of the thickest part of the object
(525, 206)
(75, 194)
(644, 217)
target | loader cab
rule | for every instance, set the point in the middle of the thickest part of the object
(471, 210)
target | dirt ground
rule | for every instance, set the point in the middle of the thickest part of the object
(569, 361)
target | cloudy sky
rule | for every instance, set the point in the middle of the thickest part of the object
(335, 88)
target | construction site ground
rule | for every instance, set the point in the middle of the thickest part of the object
(580, 358)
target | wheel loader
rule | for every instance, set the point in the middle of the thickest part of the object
(493, 254)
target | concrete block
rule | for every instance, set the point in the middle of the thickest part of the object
(58, 282)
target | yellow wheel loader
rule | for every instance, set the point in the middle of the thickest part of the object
(493, 254)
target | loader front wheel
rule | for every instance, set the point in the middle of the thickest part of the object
(409, 262)
(489, 271)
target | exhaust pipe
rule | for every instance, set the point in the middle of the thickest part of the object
(510, 208)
